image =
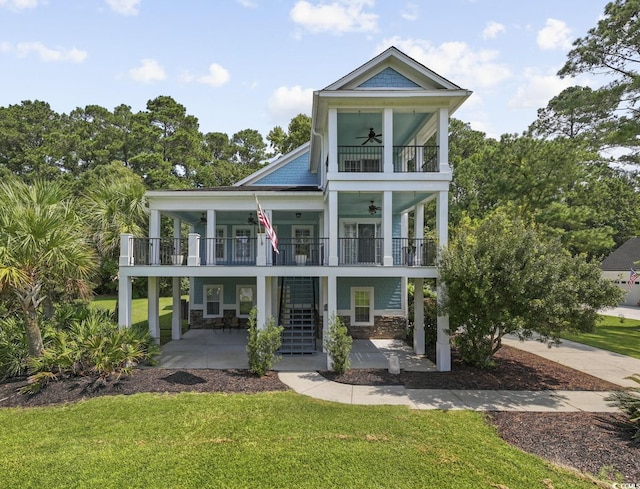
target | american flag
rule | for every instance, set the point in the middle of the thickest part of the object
(264, 220)
(632, 278)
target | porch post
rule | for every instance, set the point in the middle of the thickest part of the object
(418, 316)
(154, 235)
(387, 140)
(443, 140)
(176, 311)
(210, 253)
(443, 348)
(261, 301)
(387, 207)
(261, 249)
(418, 233)
(124, 300)
(332, 310)
(333, 228)
(126, 250)
(332, 128)
(153, 310)
(193, 260)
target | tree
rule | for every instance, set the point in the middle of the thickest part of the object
(503, 277)
(43, 249)
(249, 148)
(299, 132)
(612, 50)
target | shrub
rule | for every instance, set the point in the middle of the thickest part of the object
(338, 345)
(90, 346)
(14, 350)
(263, 345)
(629, 402)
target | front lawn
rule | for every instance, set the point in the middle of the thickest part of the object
(264, 440)
(617, 334)
(139, 313)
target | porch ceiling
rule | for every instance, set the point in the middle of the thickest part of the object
(357, 203)
(351, 126)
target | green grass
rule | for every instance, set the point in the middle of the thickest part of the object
(274, 440)
(139, 313)
(614, 334)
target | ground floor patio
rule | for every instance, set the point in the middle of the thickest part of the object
(226, 349)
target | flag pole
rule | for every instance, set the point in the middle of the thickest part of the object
(258, 217)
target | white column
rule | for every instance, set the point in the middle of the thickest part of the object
(332, 122)
(126, 250)
(332, 309)
(210, 253)
(261, 249)
(418, 233)
(153, 311)
(154, 235)
(193, 260)
(387, 228)
(176, 312)
(387, 139)
(124, 300)
(443, 140)
(261, 301)
(177, 244)
(333, 228)
(418, 316)
(443, 348)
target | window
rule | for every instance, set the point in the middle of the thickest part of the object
(246, 299)
(302, 239)
(362, 306)
(212, 301)
(221, 243)
(243, 246)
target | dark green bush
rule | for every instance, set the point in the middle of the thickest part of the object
(629, 402)
(89, 343)
(14, 351)
(338, 345)
(263, 344)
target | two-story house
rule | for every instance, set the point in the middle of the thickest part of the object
(348, 211)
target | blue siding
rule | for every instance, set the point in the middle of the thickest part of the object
(296, 172)
(387, 292)
(228, 287)
(389, 78)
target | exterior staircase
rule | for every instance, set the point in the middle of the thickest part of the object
(298, 315)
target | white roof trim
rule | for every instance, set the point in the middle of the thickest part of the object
(273, 166)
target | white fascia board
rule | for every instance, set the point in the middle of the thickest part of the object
(274, 165)
(385, 185)
(380, 98)
(241, 201)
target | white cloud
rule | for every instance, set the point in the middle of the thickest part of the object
(18, 4)
(337, 17)
(492, 29)
(555, 35)
(149, 71)
(216, 77)
(410, 12)
(124, 7)
(247, 3)
(290, 101)
(538, 90)
(24, 49)
(456, 61)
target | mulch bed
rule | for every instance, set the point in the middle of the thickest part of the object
(595, 443)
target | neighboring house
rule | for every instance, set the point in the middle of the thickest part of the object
(341, 205)
(617, 268)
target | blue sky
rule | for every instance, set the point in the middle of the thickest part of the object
(238, 64)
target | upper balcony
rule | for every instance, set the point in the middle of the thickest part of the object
(370, 159)
(197, 251)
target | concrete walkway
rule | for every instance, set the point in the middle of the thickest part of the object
(606, 365)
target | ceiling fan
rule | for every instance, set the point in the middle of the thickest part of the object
(252, 220)
(371, 137)
(373, 208)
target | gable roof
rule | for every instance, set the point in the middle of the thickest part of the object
(273, 166)
(624, 257)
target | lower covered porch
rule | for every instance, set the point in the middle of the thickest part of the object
(226, 349)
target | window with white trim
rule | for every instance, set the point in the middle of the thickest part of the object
(246, 299)
(221, 243)
(362, 306)
(212, 301)
(243, 251)
(302, 236)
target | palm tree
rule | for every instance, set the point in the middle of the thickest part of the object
(43, 248)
